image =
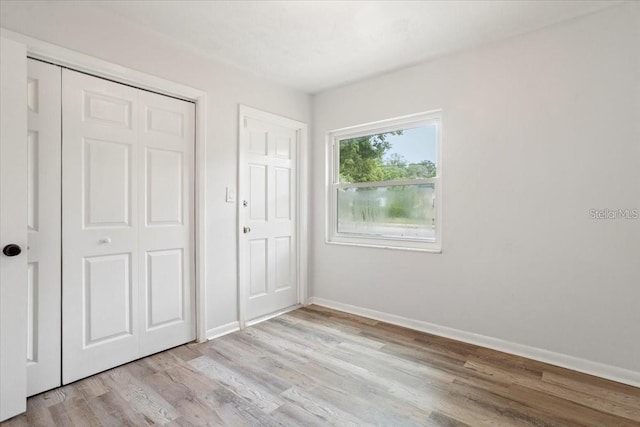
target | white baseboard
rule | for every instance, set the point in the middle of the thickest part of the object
(223, 330)
(597, 369)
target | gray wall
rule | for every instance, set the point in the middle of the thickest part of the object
(537, 131)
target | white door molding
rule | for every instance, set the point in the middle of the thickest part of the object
(302, 167)
(68, 58)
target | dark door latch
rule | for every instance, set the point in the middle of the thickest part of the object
(12, 250)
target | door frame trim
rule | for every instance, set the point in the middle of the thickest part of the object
(302, 165)
(64, 57)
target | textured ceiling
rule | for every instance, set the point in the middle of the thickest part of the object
(315, 45)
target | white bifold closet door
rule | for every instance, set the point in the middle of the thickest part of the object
(128, 239)
(43, 225)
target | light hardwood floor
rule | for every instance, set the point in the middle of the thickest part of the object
(316, 366)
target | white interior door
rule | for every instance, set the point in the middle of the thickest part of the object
(166, 215)
(268, 215)
(100, 225)
(13, 229)
(43, 221)
(128, 270)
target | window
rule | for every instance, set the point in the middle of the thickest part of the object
(384, 183)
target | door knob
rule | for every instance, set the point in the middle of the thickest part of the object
(246, 230)
(12, 250)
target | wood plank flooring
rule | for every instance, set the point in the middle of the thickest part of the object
(316, 367)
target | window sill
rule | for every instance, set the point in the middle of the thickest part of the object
(433, 248)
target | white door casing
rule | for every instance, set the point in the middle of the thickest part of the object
(13, 228)
(127, 224)
(43, 221)
(268, 243)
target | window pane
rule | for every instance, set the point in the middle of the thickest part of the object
(391, 156)
(401, 211)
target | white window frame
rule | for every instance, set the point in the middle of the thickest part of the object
(333, 139)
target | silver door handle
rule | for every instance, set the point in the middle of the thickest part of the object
(246, 230)
(105, 241)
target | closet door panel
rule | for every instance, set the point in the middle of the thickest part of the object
(166, 215)
(128, 197)
(43, 224)
(100, 225)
